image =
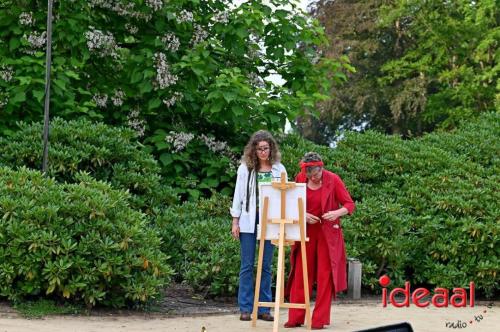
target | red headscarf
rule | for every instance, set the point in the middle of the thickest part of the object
(302, 176)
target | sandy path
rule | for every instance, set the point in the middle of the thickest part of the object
(345, 317)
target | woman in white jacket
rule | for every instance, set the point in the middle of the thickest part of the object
(260, 163)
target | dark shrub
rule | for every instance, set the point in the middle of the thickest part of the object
(196, 235)
(77, 241)
(427, 209)
(106, 153)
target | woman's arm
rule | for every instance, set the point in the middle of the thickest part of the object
(239, 194)
(344, 198)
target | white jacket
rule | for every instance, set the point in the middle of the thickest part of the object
(238, 209)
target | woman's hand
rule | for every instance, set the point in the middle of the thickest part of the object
(335, 214)
(312, 219)
(235, 229)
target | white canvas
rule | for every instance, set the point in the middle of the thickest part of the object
(292, 210)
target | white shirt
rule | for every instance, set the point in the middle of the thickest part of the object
(238, 209)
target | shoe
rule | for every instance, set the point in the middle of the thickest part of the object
(289, 325)
(245, 316)
(320, 327)
(266, 317)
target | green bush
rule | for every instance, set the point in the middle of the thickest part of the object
(197, 237)
(107, 153)
(77, 241)
(195, 165)
(427, 212)
(427, 209)
(476, 141)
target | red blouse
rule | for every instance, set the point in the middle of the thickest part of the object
(313, 202)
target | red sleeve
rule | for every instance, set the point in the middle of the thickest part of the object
(300, 178)
(343, 196)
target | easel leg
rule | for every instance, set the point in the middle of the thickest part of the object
(282, 295)
(257, 283)
(304, 264)
(263, 224)
(306, 284)
(280, 278)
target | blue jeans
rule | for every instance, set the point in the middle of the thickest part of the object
(246, 290)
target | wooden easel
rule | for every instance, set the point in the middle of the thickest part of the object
(281, 242)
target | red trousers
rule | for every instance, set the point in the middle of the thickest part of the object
(319, 271)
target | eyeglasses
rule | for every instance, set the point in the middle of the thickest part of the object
(263, 149)
(315, 175)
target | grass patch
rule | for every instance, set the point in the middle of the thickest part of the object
(44, 307)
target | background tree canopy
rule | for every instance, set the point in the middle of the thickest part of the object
(420, 65)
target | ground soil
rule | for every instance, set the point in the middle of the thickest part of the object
(183, 310)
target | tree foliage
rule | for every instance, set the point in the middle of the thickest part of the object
(209, 69)
(420, 65)
(201, 66)
(451, 59)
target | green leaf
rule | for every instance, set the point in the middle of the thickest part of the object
(242, 32)
(216, 107)
(229, 96)
(154, 103)
(39, 95)
(145, 87)
(166, 159)
(18, 97)
(14, 43)
(136, 77)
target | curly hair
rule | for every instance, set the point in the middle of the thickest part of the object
(250, 153)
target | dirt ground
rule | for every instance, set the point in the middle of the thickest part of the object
(348, 316)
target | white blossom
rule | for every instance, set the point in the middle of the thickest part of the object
(122, 8)
(185, 16)
(221, 17)
(6, 73)
(26, 18)
(233, 163)
(172, 100)
(136, 123)
(100, 100)
(221, 148)
(131, 28)
(155, 4)
(164, 78)
(103, 44)
(199, 34)
(314, 59)
(37, 40)
(214, 145)
(256, 80)
(179, 140)
(3, 101)
(118, 97)
(171, 42)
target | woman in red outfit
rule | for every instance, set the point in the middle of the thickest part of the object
(327, 201)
